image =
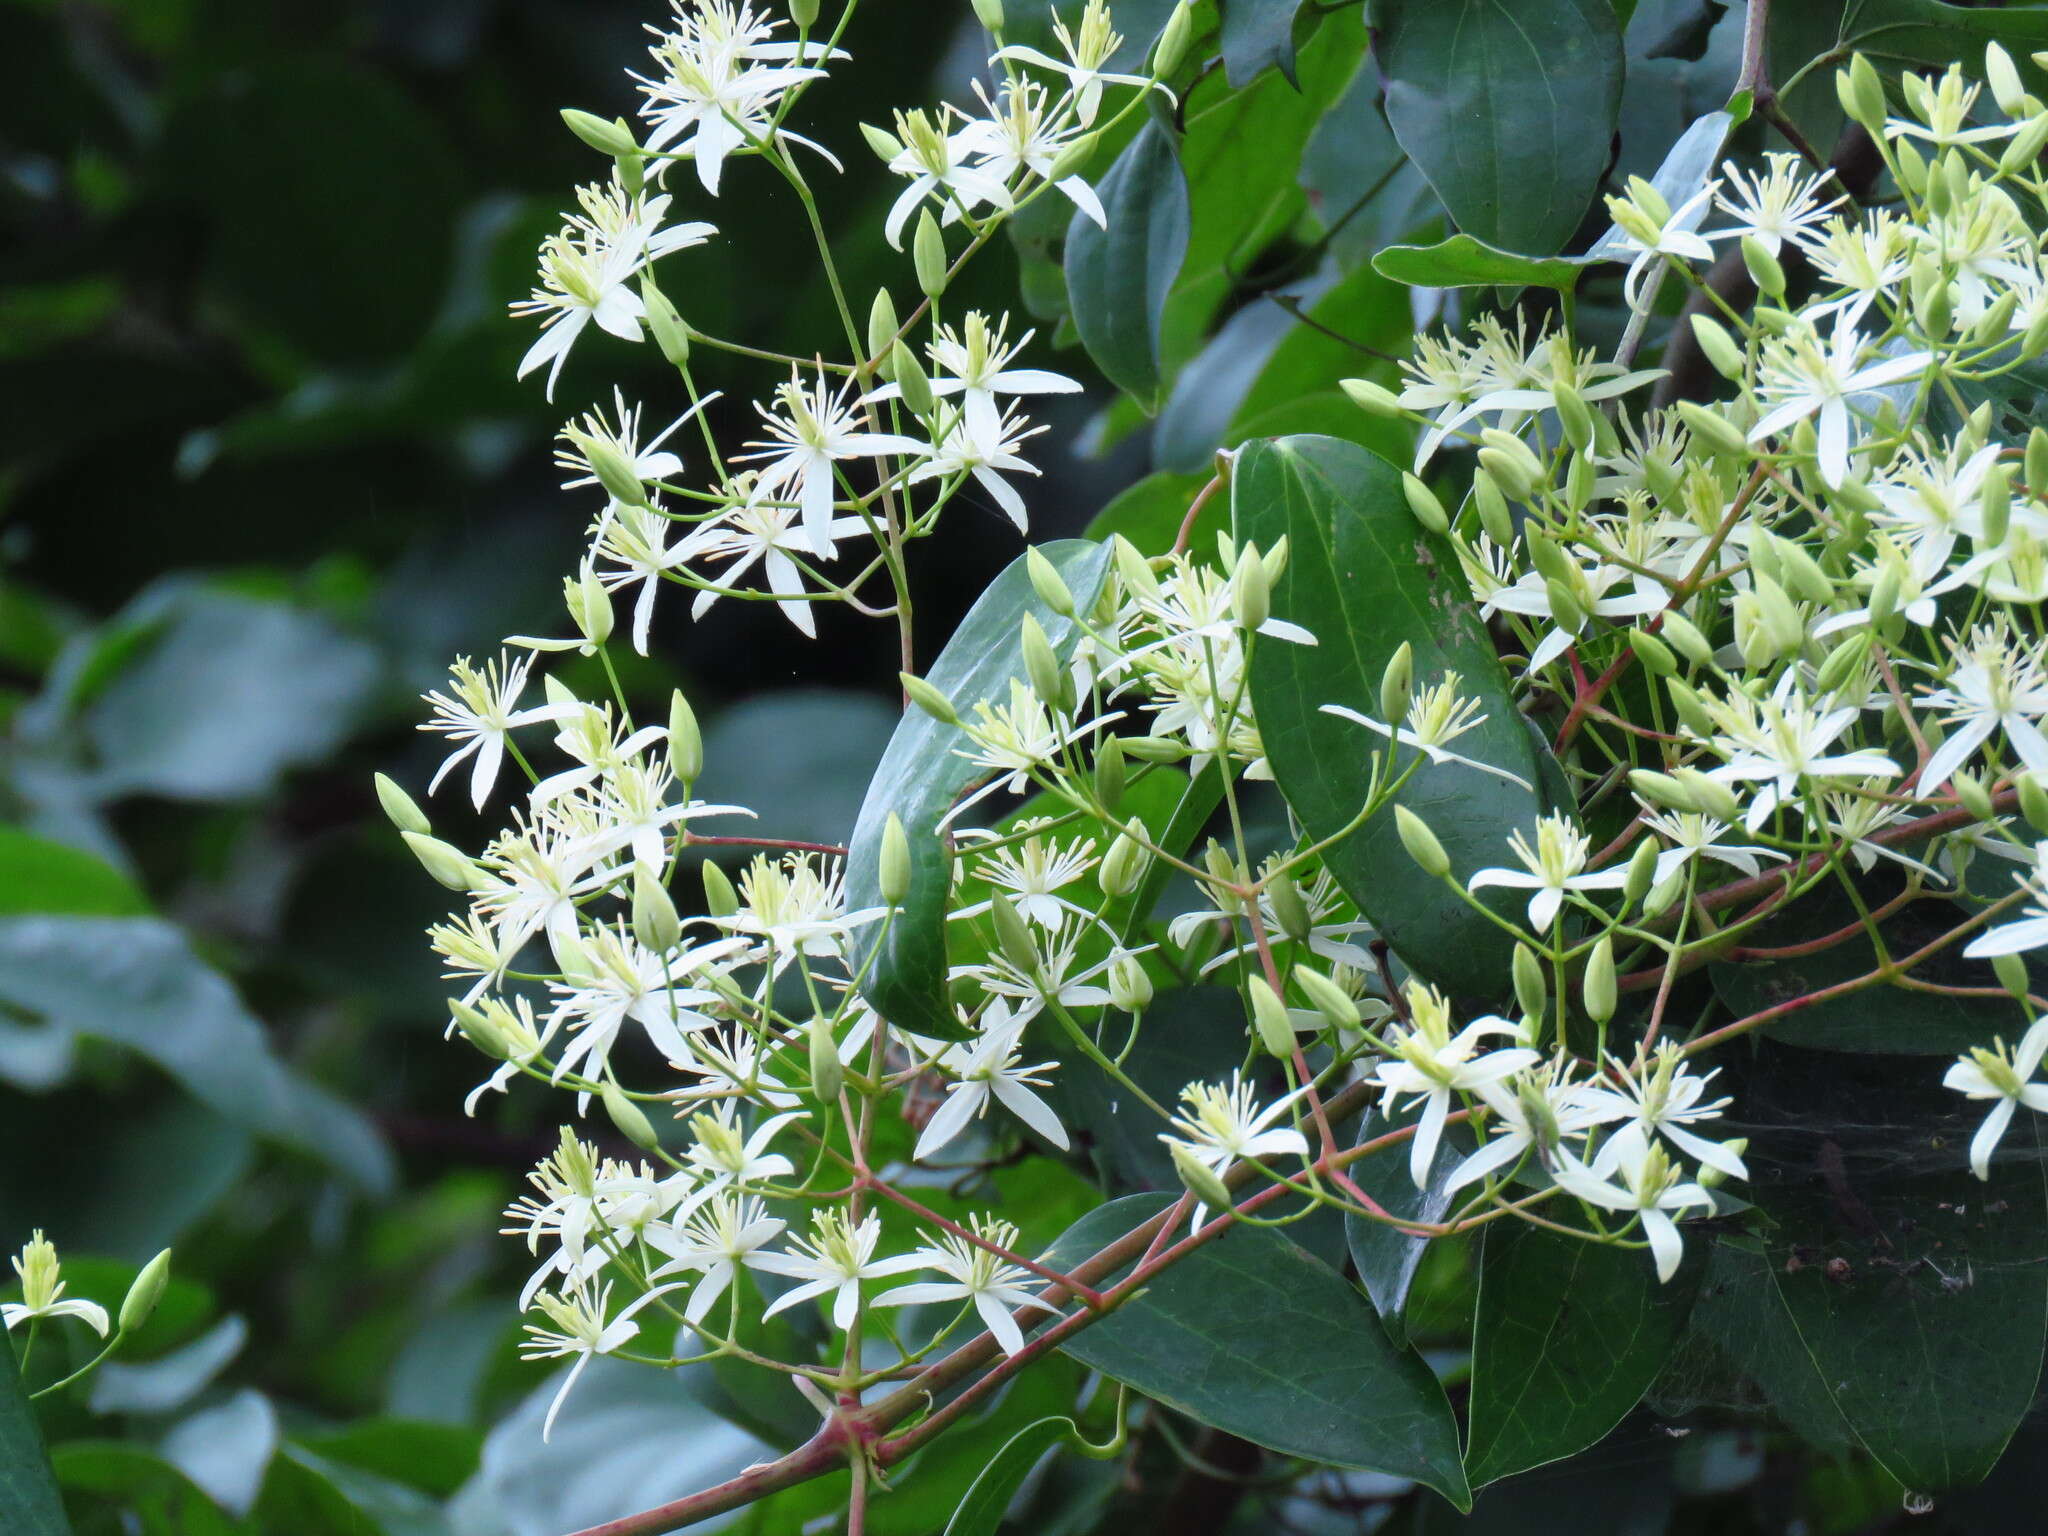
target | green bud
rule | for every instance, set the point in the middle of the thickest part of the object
(631, 1120)
(1663, 893)
(1685, 635)
(1122, 869)
(928, 255)
(1173, 41)
(2004, 79)
(1884, 592)
(685, 741)
(2025, 147)
(479, 1029)
(928, 698)
(1373, 399)
(990, 14)
(1714, 431)
(1717, 346)
(882, 329)
(1130, 988)
(671, 334)
(1049, 680)
(1549, 558)
(1397, 684)
(1133, 569)
(893, 865)
(2012, 974)
(1970, 790)
(447, 864)
(1642, 872)
(1661, 789)
(1862, 95)
(720, 899)
(1269, 1014)
(1580, 476)
(1764, 268)
(1911, 167)
(804, 13)
(1494, 516)
(2035, 464)
(1575, 416)
(1995, 504)
(1154, 749)
(405, 814)
(1841, 663)
(1653, 653)
(884, 143)
(1289, 908)
(1513, 463)
(1714, 798)
(1691, 711)
(1713, 1178)
(1532, 990)
(1597, 990)
(1564, 605)
(655, 923)
(1337, 1006)
(1013, 939)
(1109, 773)
(1047, 582)
(614, 138)
(1251, 593)
(613, 469)
(1199, 1178)
(1423, 503)
(1421, 843)
(828, 1073)
(145, 1292)
(911, 379)
(2033, 801)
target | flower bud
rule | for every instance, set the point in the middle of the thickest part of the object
(1397, 684)
(1492, 506)
(1337, 1006)
(1047, 582)
(1133, 569)
(1173, 41)
(928, 255)
(1717, 346)
(928, 698)
(1532, 991)
(405, 814)
(913, 383)
(804, 13)
(1660, 789)
(1512, 462)
(892, 868)
(145, 1292)
(1421, 843)
(1663, 893)
(1155, 749)
(1224, 871)
(2035, 464)
(1994, 505)
(1564, 605)
(614, 471)
(882, 329)
(655, 923)
(447, 864)
(480, 1029)
(1574, 415)
(1129, 987)
(2025, 147)
(990, 14)
(720, 899)
(685, 741)
(2012, 974)
(1122, 868)
(1423, 503)
(1692, 713)
(1199, 1178)
(589, 605)
(1269, 1015)
(1289, 908)
(1642, 872)
(1373, 399)
(631, 1120)
(1049, 680)
(884, 143)
(1580, 476)
(671, 333)
(1075, 157)
(1597, 990)
(2033, 801)
(2004, 79)
(1714, 798)
(1862, 95)
(828, 1073)
(1685, 636)
(1911, 167)
(1764, 268)
(1653, 653)
(1109, 773)
(614, 138)
(1714, 431)
(1711, 1177)
(1013, 939)
(1251, 593)
(1841, 663)
(1975, 798)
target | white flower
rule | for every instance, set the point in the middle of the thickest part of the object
(724, 1237)
(995, 1286)
(1653, 231)
(1780, 203)
(1033, 871)
(1802, 375)
(636, 541)
(1998, 683)
(1529, 596)
(1434, 1063)
(534, 877)
(759, 527)
(834, 1260)
(580, 1330)
(1783, 742)
(1694, 836)
(974, 363)
(1556, 864)
(609, 977)
(982, 444)
(1054, 972)
(1087, 48)
(1650, 1187)
(722, 1156)
(42, 1290)
(1223, 1124)
(1536, 1111)
(1664, 1100)
(479, 710)
(809, 431)
(938, 163)
(1436, 716)
(2030, 931)
(584, 271)
(648, 461)
(2005, 1076)
(987, 1068)
(795, 906)
(1024, 135)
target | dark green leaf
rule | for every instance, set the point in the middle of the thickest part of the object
(37, 875)
(1386, 1256)
(1252, 1335)
(1739, 1310)
(1149, 513)
(981, 1512)
(921, 774)
(1256, 34)
(1363, 577)
(1463, 262)
(434, 1458)
(1118, 278)
(28, 1490)
(1569, 1336)
(1508, 106)
(135, 1480)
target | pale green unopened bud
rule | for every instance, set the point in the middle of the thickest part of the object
(2025, 147)
(1532, 990)
(685, 741)
(1421, 843)
(1862, 95)
(1133, 569)
(1123, 867)
(1841, 663)
(928, 698)
(1109, 773)
(2012, 974)
(1661, 789)
(2004, 79)
(1685, 636)
(990, 14)
(1574, 415)
(1049, 680)
(720, 899)
(1884, 592)
(1512, 462)
(613, 469)
(1717, 346)
(1714, 431)
(1373, 399)
(1597, 990)
(892, 868)
(1251, 594)
(1269, 1014)
(1653, 653)
(884, 143)
(405, 814)
(1275, 561)
(911, 379)
(1047, 582)
(928, 255)
(1013, 939)
(1970, 790)
(882, 329)
(145, 1292)
(446, 863)
(670, 333)
(1494, 516)
(804, 13)
(2035, 464)
(1994, 504)
(1663, 893)
(2033, 801)
(1224, 871)
(1564, 605)
(1764, 268)
(1075, 157)
(828, 1073)
(1397, 684)
(1911, 167)
(1781, 616)
(1714, 798)
(1801, 573)
(1423, 503)
(1129, 987)
(655, 923)
(1155, 749)
(1550, 559)
(1173, 41)
(1642, 872)
(1581, 474)
(1691, 712)
(479, 1029)
(1289, 908)
(589, 605)
(631, 1120)
(1199, 1178)
(1711, 1177)
(614, 138)
(1336, 1005)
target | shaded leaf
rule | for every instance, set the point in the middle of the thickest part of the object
(164, 1499)
(1258, 34)
(1739, 1310)
(28, 1489)
(37, 875)
(1149, 512)
(1463, 262)
(1118, 278)
(1385, 1256)
(981, 1512)
(1252, 1335)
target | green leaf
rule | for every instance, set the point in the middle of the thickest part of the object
(1148, 513)
(28, 1489)
(1569, 1336)
(38, 875)
(1252, 1335)
(1928, 1332)
(1463, 262)
(1118, 278)
(138, 1481)
(1258, 34)
(1739, 1311)
(1508, 106)
(434, 1458)
(785, 754)
(921, 774)
(1385, 1256)
(981, 1512)
(137, 981)
(1363, 577)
